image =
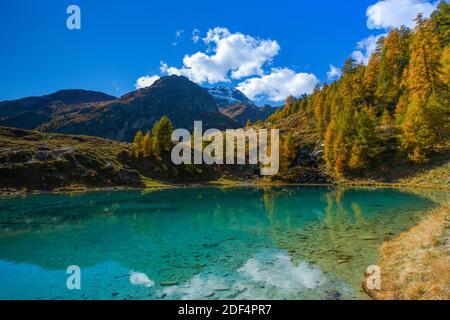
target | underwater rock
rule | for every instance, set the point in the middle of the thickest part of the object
(168, 283)
(235, 294)
(218, 242)
(332, 295)
(368, 238)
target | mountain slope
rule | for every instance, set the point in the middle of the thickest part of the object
(241, 113)
(176, 97)
(30, 112)
(40, 161)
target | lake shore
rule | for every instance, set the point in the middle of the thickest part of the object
(416, 264)
(151, 184)
(158, 185)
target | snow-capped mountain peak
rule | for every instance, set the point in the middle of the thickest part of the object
(225, 96)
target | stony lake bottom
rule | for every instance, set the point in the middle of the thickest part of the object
(202, 243)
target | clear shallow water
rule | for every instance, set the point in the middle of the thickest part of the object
(205, 243)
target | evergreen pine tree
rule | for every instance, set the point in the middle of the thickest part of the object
(440, 19)
(426, 115)
(418, 135)
(364, 141)
(162, 132)
(287, 153)
(137, 144)
(147, 145)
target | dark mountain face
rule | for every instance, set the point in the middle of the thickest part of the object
(176, 97)
(237, 106)
(241, 113)
(76, 96)
(31, 112)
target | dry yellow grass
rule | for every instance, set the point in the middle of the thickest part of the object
(416, 265)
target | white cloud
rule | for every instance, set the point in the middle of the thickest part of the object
(165, 69)
(195, 35)
(388, 14)
(178, 34)
(279, 84)
(234, 55)
(334, 72)
(366, 47)
(145, 81)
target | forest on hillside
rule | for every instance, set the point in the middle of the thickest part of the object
(395, 107)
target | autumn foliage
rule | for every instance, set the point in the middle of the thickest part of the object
(402, 93)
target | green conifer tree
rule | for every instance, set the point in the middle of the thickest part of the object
(137, 144)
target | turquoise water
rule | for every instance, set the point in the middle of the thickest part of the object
(204, 243)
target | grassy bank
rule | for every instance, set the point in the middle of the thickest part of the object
(416, 264)
(435, 175)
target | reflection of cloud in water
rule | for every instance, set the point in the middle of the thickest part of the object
(278, 271)
(198, 287)
(266, 275)
(140, 279)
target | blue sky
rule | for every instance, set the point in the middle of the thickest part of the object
(292, 42)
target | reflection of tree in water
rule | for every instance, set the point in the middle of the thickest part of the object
(55, 212)
(345, 238)
(440, 197)
(338, 217)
